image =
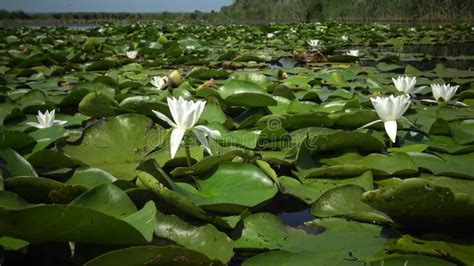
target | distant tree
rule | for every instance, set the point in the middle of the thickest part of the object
(314, 11)
(4, 14)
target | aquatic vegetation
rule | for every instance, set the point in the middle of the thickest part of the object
(217, 144)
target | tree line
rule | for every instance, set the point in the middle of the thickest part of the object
(405, 11)
(353, 10)
(100, 16)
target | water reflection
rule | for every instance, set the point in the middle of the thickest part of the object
(295, 219)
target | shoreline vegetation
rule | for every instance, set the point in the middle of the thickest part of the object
(258, 12)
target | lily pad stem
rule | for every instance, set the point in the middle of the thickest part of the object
(188, 151)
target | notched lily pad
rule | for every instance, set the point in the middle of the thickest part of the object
(420, 202)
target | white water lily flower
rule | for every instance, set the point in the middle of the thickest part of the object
(404, 84)
(270, 35)
(46, 120)
(390, 109)
(185, 115)
(159, 82)
(353, 53)
(445, 91)
(344, 37)
(314, 43)
(132, 54)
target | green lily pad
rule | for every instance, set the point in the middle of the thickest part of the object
(153, 255)
(118, 144)
(344, 140)
(312, 189)
(61, 223)
(245, 93)
(265, 231)
(177, 200)
(415, 260)
(232, 187)
(90, 177)
(346, 202)
(208, 163)
(203, 239)
(206, 74)
(45, 137)
(14, 139)
(42, 190)
(419, 202)
(9, 243)
(14, 164)
(459, 253)
(445, 164)
(97, 104)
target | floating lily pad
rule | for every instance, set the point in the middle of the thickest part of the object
(245, 93)
(346, 202)
(118, 144)
(204, 239)
(459, 253)
(311, 189)
(14, 164)
(42, 190)
(156, 255)
(420, 202)
(232, 187)
(265, 231)
(59, 223)
(179, 201)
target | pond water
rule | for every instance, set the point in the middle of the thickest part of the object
(295, 219)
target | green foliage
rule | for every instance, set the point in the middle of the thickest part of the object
(352, 10)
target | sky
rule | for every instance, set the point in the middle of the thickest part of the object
(131, 6)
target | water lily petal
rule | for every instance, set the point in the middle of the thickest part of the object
(201, 136)
(404, 84)
(200, 105)
(211, 132)
(381, 107)
(181, 107)
(461, 104)
(370, 124)
(445, 91)
(391, 129)
(42, 118)
(391, 108)
(173, 106)
(50, 117)
(34, 124)
(176, 138)
(60, 122)
(188, 117)
(401, 106)
(164, 118)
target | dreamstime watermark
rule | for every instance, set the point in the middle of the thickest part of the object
(156, 138)
(272, 136)
(274, 124)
